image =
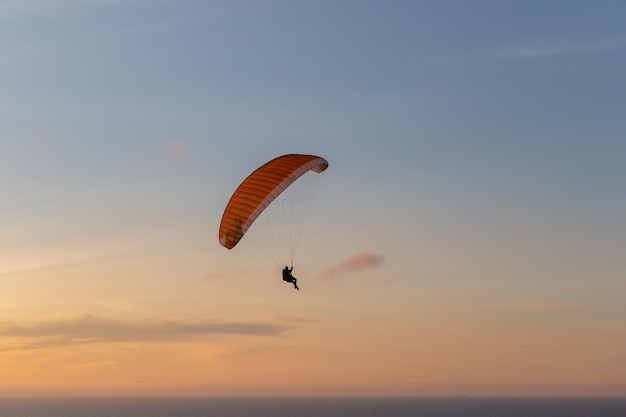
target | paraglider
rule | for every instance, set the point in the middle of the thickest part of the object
(259, 190)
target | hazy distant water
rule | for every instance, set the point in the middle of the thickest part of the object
(313, 407)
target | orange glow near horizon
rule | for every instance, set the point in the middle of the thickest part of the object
(453, 203)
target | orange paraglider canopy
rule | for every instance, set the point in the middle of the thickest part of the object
(258, 191)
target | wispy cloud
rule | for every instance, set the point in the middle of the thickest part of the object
(175, 151)
(356, 263)
(528, 50)
(552, 48)
(18, 7)
(535, 306)
(539, 305)
(89, 329)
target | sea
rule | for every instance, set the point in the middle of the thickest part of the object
(313, 407)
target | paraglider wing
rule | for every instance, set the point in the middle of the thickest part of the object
(258, 191)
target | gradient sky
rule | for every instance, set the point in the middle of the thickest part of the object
(467, 238)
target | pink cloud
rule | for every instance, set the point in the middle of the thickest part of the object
(356, 263)
(173, 151)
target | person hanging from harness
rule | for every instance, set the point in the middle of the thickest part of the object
(287, 277)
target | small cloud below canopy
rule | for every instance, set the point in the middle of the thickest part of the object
(356, 263)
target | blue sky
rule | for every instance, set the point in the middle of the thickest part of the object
(478, 147)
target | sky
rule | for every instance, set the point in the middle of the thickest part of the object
(466, 239)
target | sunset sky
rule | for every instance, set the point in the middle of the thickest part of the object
(468, 237)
